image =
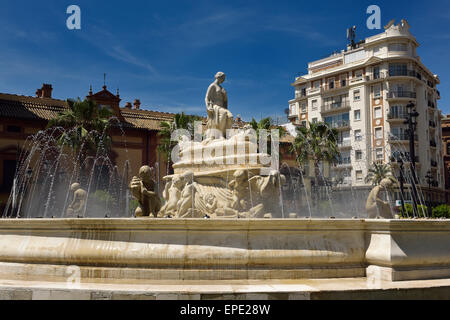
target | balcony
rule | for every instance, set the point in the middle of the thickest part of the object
(401, 95)
(401, 138)
(339, 125)
(344, 163)
(336, 85)
(432, 124)
(376, 76)
(397, 159)
(431, 105)
(293, 116)
(396, 116)
(336, 107)
(344, 144)
(405, 73)
(355, 80)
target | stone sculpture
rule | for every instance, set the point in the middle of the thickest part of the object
(143, 189)
(219, 117)
(172, 195)
(268, 189)
(186, 204)
(211, 177)
(76, 208)
(376, 206)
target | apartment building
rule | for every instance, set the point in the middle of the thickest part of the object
(363, 92)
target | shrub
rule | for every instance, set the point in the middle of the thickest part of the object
(442, 211)
(409, 211)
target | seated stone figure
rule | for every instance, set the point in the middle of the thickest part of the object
(143, 189)
(377, 207)
(268, 190)
(76, 208)
(186, 204)
(216, 100)
(172, 195)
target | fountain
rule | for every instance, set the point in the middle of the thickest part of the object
(221, 219)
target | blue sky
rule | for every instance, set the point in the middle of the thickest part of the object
(167, 52)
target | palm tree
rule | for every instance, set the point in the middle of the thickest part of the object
(379, 172)
(180, 121)
(318, 143)
(86, 128)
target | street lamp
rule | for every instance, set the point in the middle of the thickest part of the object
(429, 178)
(411, 121)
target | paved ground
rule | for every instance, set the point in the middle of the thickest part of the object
(308, 289)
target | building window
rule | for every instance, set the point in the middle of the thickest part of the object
(358, 74)
(398, 69)
(303, 123)
(303, 107)
(378, 113)
(397, 47)
(358, 155)
(357, 114)
(358, 136)
(317, 84)
(314, 105)
(448, 148)
(314, 120)
(377, 91)
(379, 153)
(359, 175)
(357, 95)
(13, 129)
(331, 84)
(379, 133)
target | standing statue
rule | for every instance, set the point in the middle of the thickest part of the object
(219, 118)
(143, 189)
(377, 207)
(76, 208)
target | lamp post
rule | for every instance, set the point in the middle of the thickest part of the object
(411, 121)
(429, 178)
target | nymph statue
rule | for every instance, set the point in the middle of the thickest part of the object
(219, 118)
(376, 206)
(143, 189)
(76, 208)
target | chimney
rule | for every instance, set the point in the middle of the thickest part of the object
(128, 105)
(137, 104)
(46, 91)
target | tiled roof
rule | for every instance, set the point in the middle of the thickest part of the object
(24, 107)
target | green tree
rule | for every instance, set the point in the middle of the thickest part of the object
(180, 121)
(86, 128)
(316, 143)
(378, 172)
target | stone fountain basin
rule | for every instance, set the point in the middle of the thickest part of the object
(200, 249)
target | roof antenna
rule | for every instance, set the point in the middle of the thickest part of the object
(104, 81)
(351, 35)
